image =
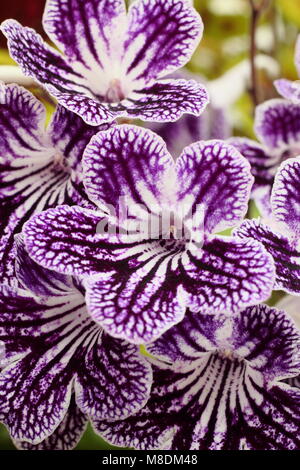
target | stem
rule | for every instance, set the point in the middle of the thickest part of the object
(256, 11)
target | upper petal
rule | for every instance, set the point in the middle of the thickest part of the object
(288, 89)
(215, 179)
(135, 158)
(285, 198)
(161, 37)
(263, 162)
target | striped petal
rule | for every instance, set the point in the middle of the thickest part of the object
(54, 348)
(286, 256)
(65, 239)
(66, 436)
(286, 196)
(212, 124)
(38, 167)
(222, 398)
(90, 33)
(215, 177)
(136, 158)
(40, 61)
(277, 126)
(137, 304)
(226, 275)
(161, 37)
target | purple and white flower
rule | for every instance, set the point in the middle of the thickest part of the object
(286, 88)
(113, 61)
(280, 233)
(139, 282)
(61, 368)
(39, 169)
(277, 126)
(217, 385)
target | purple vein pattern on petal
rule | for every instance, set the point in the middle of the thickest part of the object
(66, 436)
(37, 165)
(53, 347)
(40, 61)
(227, 275)
(215, 177)
(219, 394)
(262, 162)
(64, 239)
(286, 195)
(135, 158)
(286, 256)
(161, 37)
(288, 89)
(107, 72)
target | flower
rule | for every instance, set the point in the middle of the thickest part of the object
(287, 88)
(280, 233)
(39, 169)
(277, 126)
(217, 386)
(112, 61)
(139, 281)
(61, 368)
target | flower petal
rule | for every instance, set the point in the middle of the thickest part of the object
(114, 380)
(35, 164)
(217, 179)
(89, 32)
(65, 239)
(138, 304)
(291, 306)
(285, 198)
(212, 124)
(259, 334)
(263, 163)
(220, 398)
(286, 256)
(66, 436)
(70, 135)
(228, 274)
(40, 61)
(164, 101)
(133, 156)
(288, 89)
(161, 37)
(277, 124)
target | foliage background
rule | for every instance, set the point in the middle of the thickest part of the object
(225, 45)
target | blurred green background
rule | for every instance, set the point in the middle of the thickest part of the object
(224, 48)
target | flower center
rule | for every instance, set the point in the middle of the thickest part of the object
(114, 93)
(291, 152)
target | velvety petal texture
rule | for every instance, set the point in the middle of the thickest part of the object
(217, 386)
(112, 60)
(148, 248)
(39, 168)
